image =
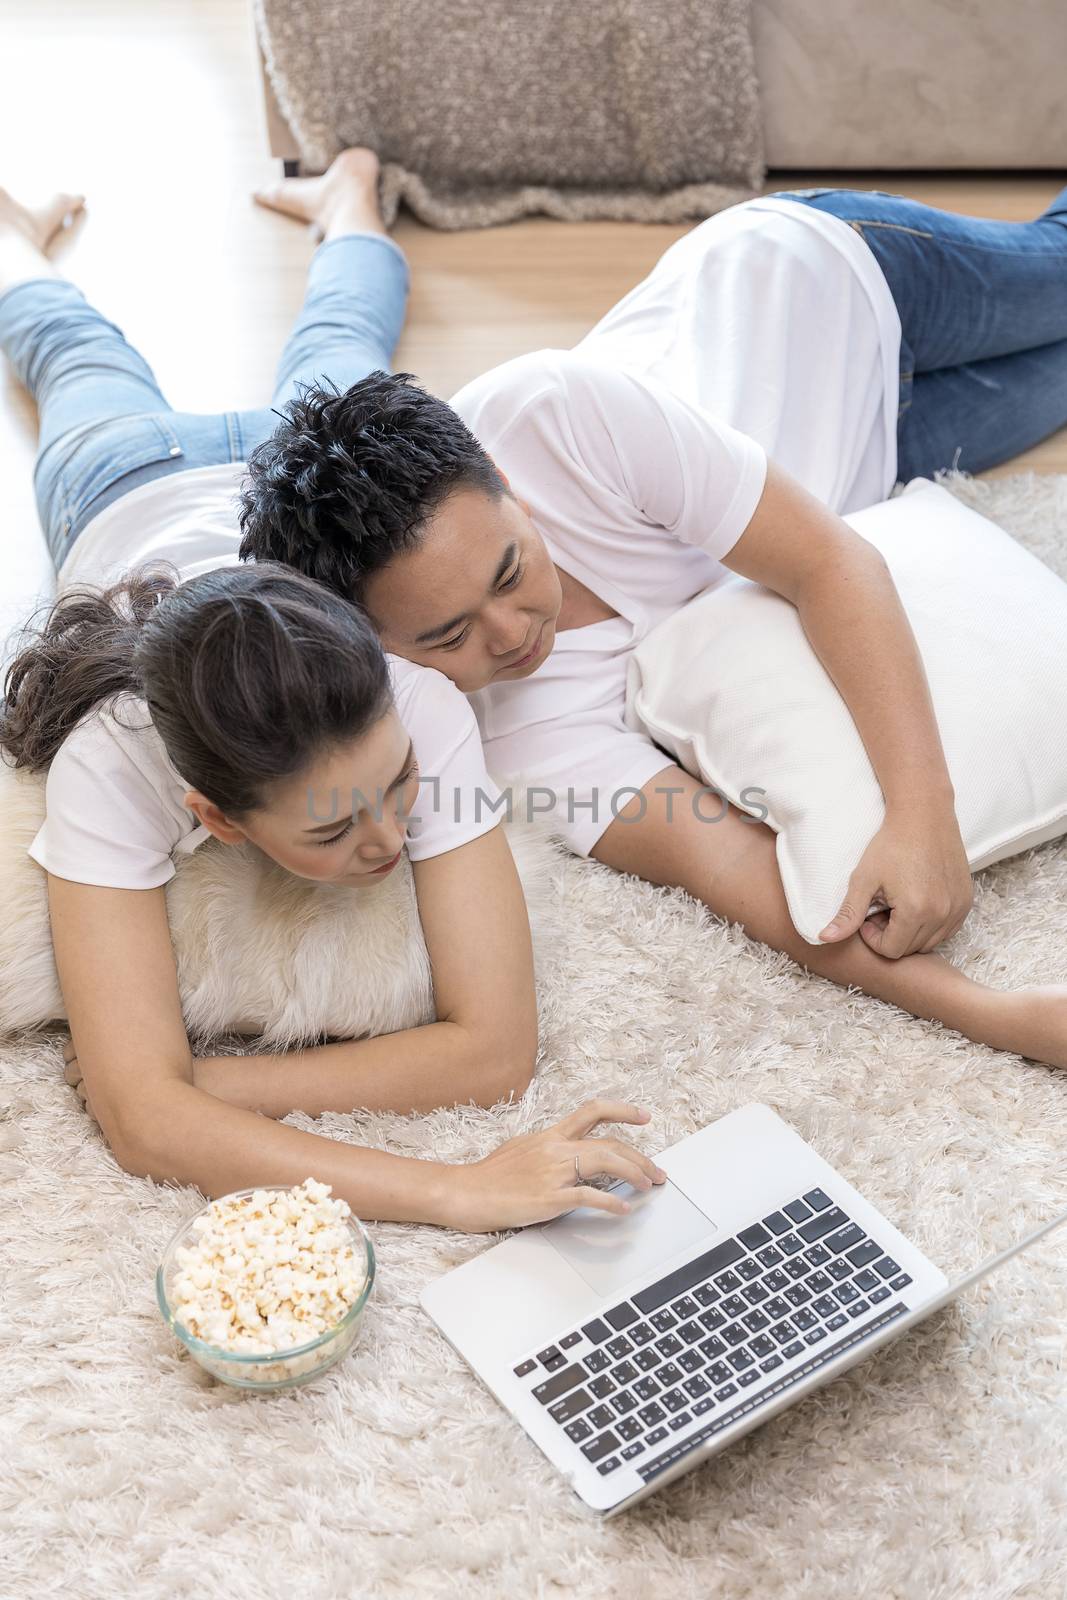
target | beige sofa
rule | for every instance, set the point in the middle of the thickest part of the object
(865, 84)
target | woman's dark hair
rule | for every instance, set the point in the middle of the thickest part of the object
(248, 672)
(349, 479)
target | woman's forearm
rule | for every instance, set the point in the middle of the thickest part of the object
(418, 1069)
(192, 1138)
(116, 967)
(853, 616)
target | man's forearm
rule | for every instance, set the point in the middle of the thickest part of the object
(859, 630)
(418, 1069)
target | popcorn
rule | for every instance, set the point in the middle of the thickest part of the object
(269, 1271)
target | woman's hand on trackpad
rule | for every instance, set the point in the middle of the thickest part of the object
(538, 1176)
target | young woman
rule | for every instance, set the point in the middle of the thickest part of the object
(241, 702)
(785, 362)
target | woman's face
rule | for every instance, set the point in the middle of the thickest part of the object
(343, 820)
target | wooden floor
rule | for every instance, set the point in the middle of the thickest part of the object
(154, 111)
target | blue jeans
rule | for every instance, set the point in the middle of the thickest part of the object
(983, 312)
(105, 427)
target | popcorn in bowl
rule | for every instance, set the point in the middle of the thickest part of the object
(266, 1287)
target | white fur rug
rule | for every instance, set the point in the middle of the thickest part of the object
(933, 1472)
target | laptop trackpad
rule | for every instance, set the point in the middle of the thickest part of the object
(607, 1251)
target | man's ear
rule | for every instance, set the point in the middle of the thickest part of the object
(214, 820)
(519, 501)
(511, 492)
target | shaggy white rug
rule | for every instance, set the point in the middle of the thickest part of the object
(933, 1472)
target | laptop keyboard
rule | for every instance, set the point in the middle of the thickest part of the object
(691, 1343)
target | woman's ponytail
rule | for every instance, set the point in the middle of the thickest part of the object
(247, 672)
(81, 656)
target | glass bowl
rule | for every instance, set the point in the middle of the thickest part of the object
(278, 1369)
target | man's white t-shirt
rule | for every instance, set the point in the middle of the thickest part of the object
(768, 331)
(114, 802)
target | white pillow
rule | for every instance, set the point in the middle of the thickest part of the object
(731, 688)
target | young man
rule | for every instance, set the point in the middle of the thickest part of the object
(764, 379)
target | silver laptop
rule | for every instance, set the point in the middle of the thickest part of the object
(631, 1348)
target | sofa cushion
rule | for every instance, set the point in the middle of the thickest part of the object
(640, 109)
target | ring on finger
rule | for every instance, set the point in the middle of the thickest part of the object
(577, 1169)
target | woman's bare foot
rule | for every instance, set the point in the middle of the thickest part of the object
(27, 231)
(40, 224)
(343, 200)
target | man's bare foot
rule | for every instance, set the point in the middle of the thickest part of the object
(343, 200)
(40, 224)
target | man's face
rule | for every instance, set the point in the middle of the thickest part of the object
(478, 599)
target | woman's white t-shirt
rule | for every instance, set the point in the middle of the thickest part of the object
(768, 331)
(115, 813)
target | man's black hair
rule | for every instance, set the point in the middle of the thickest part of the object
(349, 479)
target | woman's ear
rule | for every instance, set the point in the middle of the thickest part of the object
(214, 820)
